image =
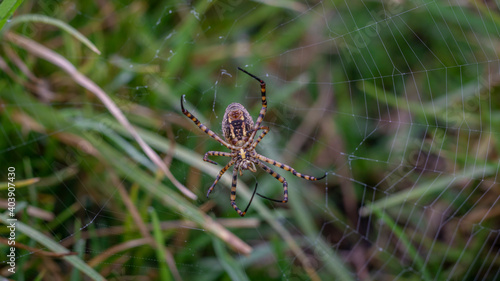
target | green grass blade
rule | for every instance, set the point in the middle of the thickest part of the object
(425, 189)
(232, 267)
(55, 22)
(78, 247)
(54, 247)
(405, 241)
(160, 251)
(7, 8)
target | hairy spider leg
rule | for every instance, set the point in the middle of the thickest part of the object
(266, 130)
(278, 177)
(233, 193)
(203, 127)
(263, 110)
(216, 153)
(287, 168)
(220, 175)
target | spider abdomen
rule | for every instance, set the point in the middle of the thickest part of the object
(237, 124)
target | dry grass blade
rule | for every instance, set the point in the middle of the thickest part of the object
(53, 57)
(37, 251)
(119, 230)
(142, 226)
(32, 211)
(120, 248)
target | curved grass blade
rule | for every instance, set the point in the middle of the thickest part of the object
(55, 22)
(55, 247)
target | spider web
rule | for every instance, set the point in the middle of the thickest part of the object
(395, 101)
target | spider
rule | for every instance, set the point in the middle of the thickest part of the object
(239, 132)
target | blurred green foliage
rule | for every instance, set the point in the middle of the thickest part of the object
(395, 100)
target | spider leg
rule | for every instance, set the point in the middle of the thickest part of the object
(251, 198)
(263, 110)
(203, 127)
(220, 175)
(266, 130)
(216, 153)
(233, 193)
(278, 177)
(287, 168)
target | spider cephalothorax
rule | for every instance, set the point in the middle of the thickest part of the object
(239, 131)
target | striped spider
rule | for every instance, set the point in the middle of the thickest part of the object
(239, 131)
